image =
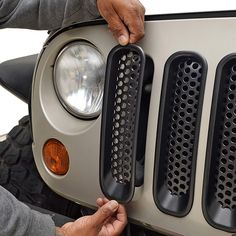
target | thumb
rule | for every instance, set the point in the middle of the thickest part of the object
(104, 212)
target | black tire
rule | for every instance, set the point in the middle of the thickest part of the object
(19, 175)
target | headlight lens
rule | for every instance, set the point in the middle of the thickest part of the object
(79, 74)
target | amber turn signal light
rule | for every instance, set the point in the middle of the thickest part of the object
(56, 157)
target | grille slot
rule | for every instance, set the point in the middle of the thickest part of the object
(220, 180)
(120, 122)
(178, 128)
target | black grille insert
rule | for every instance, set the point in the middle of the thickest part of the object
(121, 117)
(178, 128)
(219, 199)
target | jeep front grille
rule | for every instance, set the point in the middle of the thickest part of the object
(120, 121)
(178, 128)
(220, 172)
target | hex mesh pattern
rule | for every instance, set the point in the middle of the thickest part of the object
(182, 123)
(225, 178)
(123, 128)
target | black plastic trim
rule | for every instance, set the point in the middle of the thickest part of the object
(114, 188)
(16, 76)
(180, 204)
(210, 163)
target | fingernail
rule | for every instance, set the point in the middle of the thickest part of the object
(123, 40)
(113, 205)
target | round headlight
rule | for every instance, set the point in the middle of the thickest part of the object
(79, 74)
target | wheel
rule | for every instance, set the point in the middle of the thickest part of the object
(19, 175)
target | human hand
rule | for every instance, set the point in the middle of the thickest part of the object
(115, 224)
(125, 19)
(109, 220)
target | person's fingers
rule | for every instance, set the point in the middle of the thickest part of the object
(103, 213)
(136, 29)
(101, 201)
(121, 214)
(115, 222)
(115, 25)
(121, 219)
(125, 19)
(132, 14)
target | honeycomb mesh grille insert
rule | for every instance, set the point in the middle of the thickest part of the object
(178, 129)
(220, 186)
(123, 120)
(225, 176)
(183, 124)
(120, 120)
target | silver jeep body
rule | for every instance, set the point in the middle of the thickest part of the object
(208, 36)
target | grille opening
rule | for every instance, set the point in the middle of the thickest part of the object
(219, 201)
(124, 122)
(177, 137)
